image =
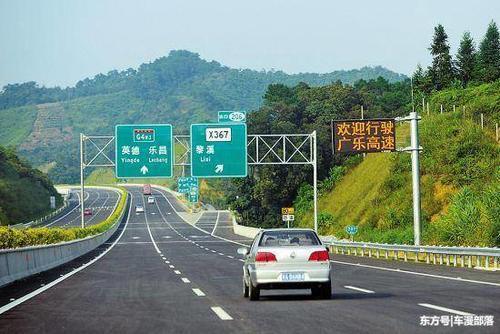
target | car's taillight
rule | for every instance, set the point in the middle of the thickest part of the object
(265, 257)
(319, 256)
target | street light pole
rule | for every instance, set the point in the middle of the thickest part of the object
(82, 190)
(415, 173)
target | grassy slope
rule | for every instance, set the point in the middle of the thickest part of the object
(24, 192)
(16, 124)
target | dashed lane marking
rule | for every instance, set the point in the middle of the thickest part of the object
(444, 309)
(221, 313)
(358, 289)
(198, 292)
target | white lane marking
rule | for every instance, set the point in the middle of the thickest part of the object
(164, 258)
(177, 272)
(415, 273)
(185, 280)
(241, 260)
(221, 313)
(135, 238)
(444, 309)
(358, 289)
(167, 237)
(149, 230)
(213, 251)
(196, 227)
(221, 254)
(167, 262)
(216, 222)
(229, 256)
(171, 266)
(38, 291)
(198, 292)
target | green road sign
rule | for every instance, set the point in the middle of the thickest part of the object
(143, 151)
(219, 150)
(184, 184)
(193, 194)
(232, 116)
(351, 229)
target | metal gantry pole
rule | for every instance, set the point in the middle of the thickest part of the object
(315, 181)
(82, 190)
(415, 172)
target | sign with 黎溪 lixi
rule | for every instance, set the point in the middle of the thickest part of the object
(219, 150)
(232, 116)
(143, 151)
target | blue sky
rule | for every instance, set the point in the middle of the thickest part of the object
(59, 42)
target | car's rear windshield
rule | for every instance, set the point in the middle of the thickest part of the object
(288, 238)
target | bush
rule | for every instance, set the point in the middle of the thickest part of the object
(15, 238)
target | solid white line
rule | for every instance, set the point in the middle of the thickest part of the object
(444, 309)
(196, 227)
(185, 280)
(38, 291)
(221, 313)
(216, 222)
(198, 292)
(416, 273)
(149, 230)
(177, 272)
(358, 289)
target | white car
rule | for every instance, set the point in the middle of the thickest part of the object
(139, 209)
(286, 259)
(151, 200)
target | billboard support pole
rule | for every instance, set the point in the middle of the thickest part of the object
(415, 172)
(82, 181)
(414, 149)
(315, 181)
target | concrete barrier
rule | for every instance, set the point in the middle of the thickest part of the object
(23, 262)
(245, 231)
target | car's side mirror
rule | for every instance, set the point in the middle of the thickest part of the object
(242, 251)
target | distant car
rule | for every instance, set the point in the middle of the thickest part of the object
(87, 212)
(139, 209)
(151, 200)
(286, 259)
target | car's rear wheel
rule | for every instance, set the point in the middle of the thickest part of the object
(323, 291)
(245, 289)
(253, 292)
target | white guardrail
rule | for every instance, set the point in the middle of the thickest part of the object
(480, 257)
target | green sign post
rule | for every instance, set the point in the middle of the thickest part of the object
(184, 184)
(143, 151)
(351, 230)
(232, 116)
(219, 150)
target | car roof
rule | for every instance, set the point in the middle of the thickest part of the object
(287, 229)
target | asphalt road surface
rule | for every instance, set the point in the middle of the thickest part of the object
(161, 274)
(101, 201)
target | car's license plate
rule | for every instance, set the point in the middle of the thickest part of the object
(287, 277)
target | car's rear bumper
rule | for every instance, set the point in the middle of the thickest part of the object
(273, 278)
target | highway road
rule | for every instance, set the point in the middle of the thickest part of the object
(161, 274)
(101, 201)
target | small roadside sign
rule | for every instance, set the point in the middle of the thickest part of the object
(193, 194)
(288, 218)
(232, 116)
(287, 211)
(351, 230)
(52, 202)
(184, 184)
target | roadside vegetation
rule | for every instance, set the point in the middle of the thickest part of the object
(15, 238)
(24, 191)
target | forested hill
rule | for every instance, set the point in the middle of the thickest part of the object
(44, 123)
(24, 192)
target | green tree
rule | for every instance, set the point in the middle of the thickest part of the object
(489, 54)
(466, 59)
(441, 71)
